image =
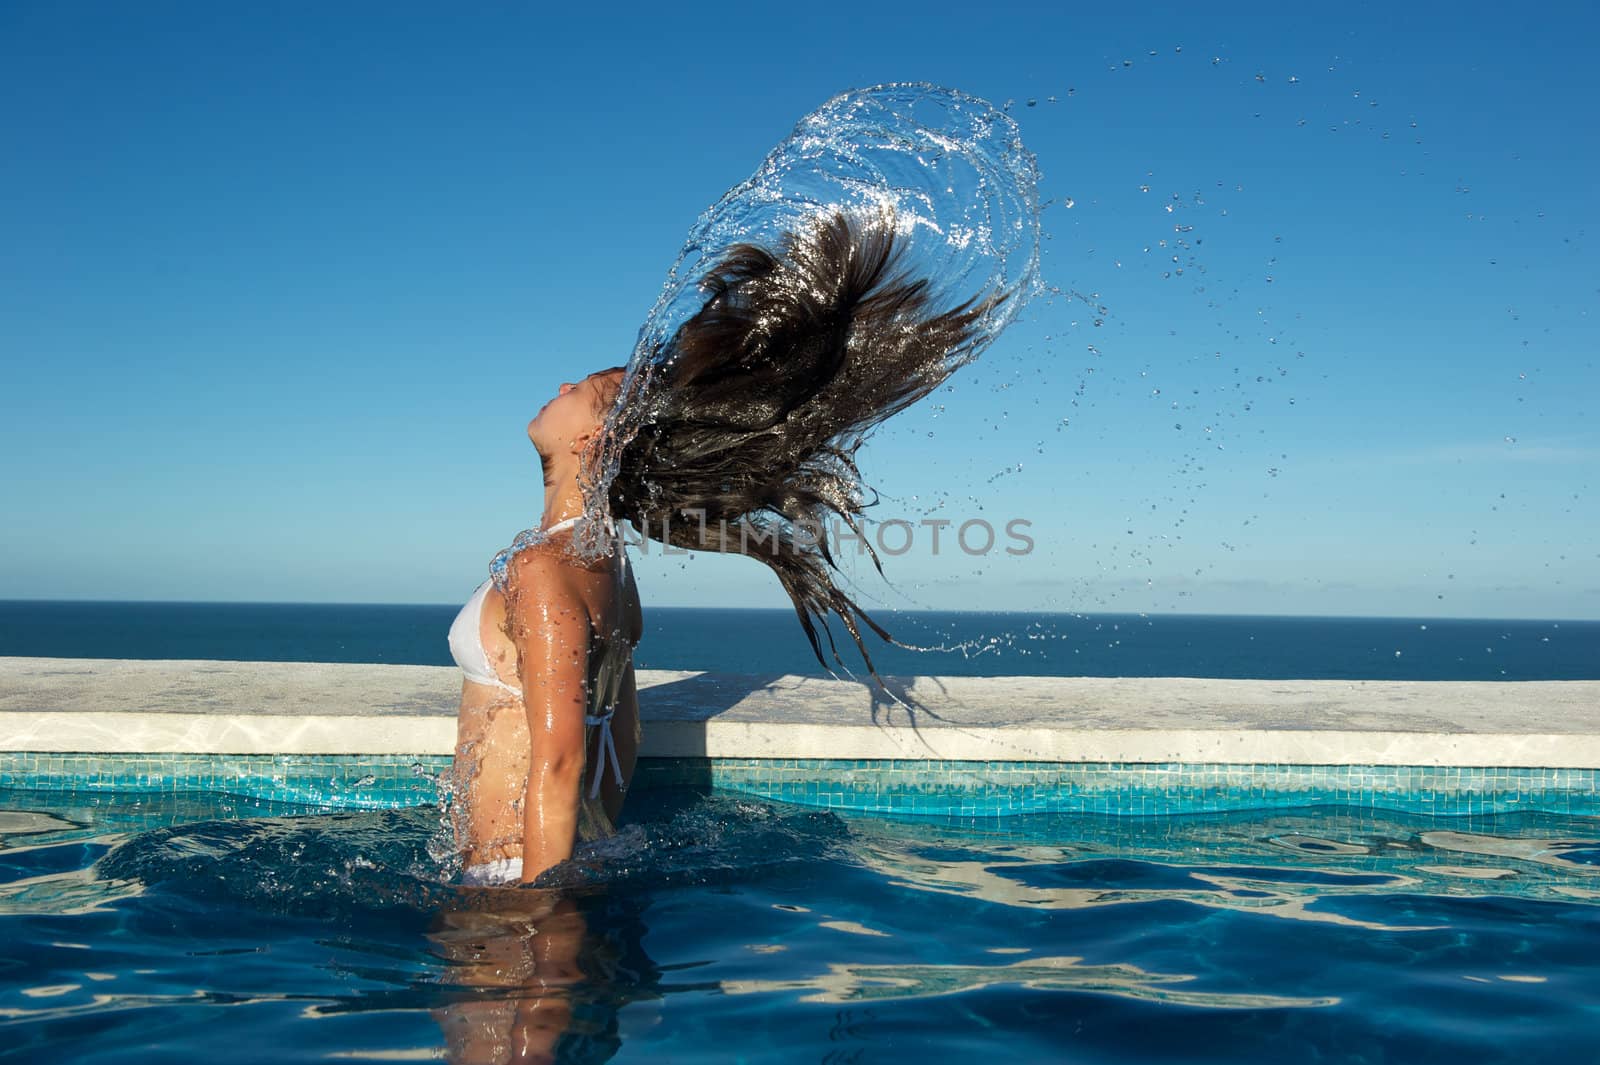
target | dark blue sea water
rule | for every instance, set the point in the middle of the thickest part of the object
(771, 641)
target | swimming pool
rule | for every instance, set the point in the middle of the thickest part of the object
(156, 925)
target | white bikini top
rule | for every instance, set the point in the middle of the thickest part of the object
(466, 647)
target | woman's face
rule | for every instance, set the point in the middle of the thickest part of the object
(572, 416)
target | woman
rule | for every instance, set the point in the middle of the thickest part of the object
(738, 436)
(546, 649)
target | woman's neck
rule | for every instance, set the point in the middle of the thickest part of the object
(563, 498)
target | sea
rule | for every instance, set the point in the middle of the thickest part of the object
(772, 643)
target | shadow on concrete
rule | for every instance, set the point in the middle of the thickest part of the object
(704, 696)
(697, 698)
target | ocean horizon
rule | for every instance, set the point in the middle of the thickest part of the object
(770, 641)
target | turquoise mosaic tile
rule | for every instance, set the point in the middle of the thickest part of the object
(895, 787)
(344, 781)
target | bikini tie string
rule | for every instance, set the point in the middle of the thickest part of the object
(608, 750)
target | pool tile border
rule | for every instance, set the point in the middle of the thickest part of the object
(911, 788)
(341, 781)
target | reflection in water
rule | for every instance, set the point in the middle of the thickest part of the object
(1571, 855)
(1025, 881)
(75, 891)
(857, 983)
(528, 979)
(1276, 863)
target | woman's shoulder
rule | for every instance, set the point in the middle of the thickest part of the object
(541, 568)
(533, 558)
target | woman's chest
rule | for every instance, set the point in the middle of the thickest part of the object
(501, 625)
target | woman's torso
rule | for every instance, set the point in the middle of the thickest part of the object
(494, 742)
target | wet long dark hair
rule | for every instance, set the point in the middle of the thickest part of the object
(756, 406)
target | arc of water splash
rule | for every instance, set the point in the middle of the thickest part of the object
(1005, 182)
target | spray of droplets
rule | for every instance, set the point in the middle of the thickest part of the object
(949, 169)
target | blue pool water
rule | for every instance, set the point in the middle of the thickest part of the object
(153, 928)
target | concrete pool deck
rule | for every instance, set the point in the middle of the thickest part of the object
(212, 707)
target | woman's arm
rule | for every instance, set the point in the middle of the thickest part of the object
(550, 629)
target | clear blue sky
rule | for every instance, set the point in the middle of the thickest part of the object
(281, 285)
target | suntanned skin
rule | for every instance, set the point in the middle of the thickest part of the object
(529, 752)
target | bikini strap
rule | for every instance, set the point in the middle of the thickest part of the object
(608, 750)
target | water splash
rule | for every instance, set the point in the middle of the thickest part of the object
(948, 168)
(390, 861)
